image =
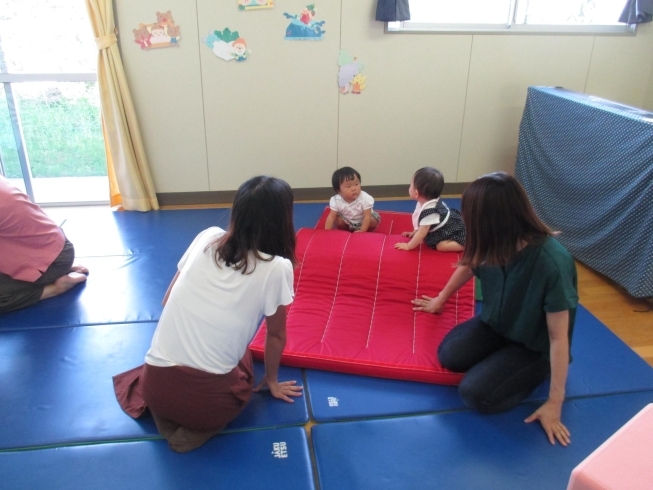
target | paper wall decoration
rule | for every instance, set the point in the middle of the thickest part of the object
(162, 34)
(302, 27)
(227, 45)
(255, 4)
(350, 78)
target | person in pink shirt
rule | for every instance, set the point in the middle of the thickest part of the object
(36, 259)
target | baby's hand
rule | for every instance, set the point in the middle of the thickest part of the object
(408, 234)
(401, 246)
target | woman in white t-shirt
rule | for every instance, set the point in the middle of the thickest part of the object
(198, 375)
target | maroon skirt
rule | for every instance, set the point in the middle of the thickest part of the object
(190, 397)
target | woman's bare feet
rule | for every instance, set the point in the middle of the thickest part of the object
(63, 284)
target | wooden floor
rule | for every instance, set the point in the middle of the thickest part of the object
(630, 319)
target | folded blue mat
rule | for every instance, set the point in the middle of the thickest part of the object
(270, 459)
(57, 389)
(602, 364)
(466, 450)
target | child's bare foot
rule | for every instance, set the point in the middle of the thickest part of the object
(79, 268)
(63, 284)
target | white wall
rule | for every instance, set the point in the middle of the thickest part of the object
(449, 100)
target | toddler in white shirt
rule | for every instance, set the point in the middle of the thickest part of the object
(351, 207)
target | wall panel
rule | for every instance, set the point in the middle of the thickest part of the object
(275, 113)
(502, 68)
(449, 100)
(166, 88)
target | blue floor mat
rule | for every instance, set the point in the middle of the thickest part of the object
(306, 215)
(229, 461)
(119, 289)
(103, 232)
(602, 364)
(57, 389)
(466, 450)
(336, 396)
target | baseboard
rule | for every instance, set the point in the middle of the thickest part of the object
(301, 194)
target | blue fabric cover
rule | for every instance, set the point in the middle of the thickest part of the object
(587, 166)
(335, 396)
(229, 461)
(56, 387)
(637, 12)
(466, 450)
(392, 10)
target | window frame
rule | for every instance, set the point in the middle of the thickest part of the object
(7, 79)
(509, 27)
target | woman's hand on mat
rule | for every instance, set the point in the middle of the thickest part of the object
(428, 304)
(283, 390)
(549, 416)
(401, 246)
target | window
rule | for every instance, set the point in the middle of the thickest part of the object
(51, 142)
(563, 16)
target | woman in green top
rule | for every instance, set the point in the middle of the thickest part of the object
(529, 287)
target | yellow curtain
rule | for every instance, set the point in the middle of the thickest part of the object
(130, 181)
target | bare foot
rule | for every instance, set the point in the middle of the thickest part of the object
(63, 284)
(79, 268)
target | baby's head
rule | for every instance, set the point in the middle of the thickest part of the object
(428, 183)
(347, 182)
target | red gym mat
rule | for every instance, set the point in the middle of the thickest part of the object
(352, 311)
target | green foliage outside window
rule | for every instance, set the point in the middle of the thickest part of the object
(63, 135)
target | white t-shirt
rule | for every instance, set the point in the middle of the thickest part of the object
(353, 211)
(431, 219)
(213, 312)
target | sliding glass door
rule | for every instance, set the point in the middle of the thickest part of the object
(51, 142)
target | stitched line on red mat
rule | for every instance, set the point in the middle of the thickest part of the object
(376, 292)
(301, 269)
(335, 294)
(419, 267)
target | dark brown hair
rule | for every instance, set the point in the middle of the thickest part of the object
(261, 221)
(498, 215)
(428, 182)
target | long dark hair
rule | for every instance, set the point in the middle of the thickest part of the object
(261, 221)
(498, 216)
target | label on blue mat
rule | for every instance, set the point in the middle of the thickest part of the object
(279, 449)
